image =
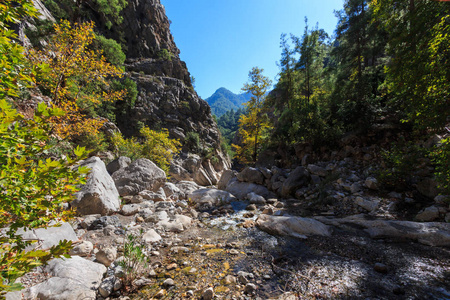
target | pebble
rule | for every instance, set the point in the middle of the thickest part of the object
(234, 252)
(249, 288)
(380, 268)
(168, 283)
(208, 294)
(251, 207)
(279, 205)
(160, 294)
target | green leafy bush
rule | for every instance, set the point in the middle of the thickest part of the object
(154, 145)
(192, 141)
(111, 49)
(34, 189)
(165, 55)
(134, 260)
(441, 157)
(400, 164)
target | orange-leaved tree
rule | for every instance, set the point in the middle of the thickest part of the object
(76, 78)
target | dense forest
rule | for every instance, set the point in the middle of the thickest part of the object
(388, 65)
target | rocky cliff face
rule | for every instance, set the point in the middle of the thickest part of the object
(166, 97)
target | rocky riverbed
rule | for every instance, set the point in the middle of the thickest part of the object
(245, 240)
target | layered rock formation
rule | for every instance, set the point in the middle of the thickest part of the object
(166, 97)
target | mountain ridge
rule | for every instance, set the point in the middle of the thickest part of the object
(223, 100)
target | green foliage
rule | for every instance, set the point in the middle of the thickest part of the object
(156, 146)
(192, 141)
(34, 189)
(400, 163)
(228, 124)
(165, 54)
(94, 142)
(111, 10)
(111, 49)
(441, 158)
(14, 72)
(418, 43)
(41, 30)
(134, 260)
(119, 109)
(254, 125)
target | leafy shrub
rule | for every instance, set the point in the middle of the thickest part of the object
(94, 142)
(154, 145)
(111, 49)
(192, 141)
(400, 164)
(34, 189)
(134, 260)
(441, 157)
(165, 55)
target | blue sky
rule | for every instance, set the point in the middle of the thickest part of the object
(221, 40)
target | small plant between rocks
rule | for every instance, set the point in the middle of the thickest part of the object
(134, 260)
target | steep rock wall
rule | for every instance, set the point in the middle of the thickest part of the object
(166, 98)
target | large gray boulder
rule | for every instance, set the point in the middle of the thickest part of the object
(99, 195)
(117, 164)
(297, 179)
(292, 226)
(140, 175)
(431, 233)
(49, 237)
(242, 189)
(71, 279)
(210, 198)
(226, 177)
(252, 175)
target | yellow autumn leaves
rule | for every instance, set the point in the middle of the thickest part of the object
(75, 77)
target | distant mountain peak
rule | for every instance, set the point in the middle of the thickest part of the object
(224, 100)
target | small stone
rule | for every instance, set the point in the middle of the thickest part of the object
(190, 293)
(130, 209)
(234, 252)
(83, 249)
(107, 286)
(151, 236)
(371, 183)
(249, 288)
(208, 294)
(160, 294)
(279, 205)
(106, 256)
(152, 274)
(172, 266)
(251, 207)
(168, 283)
(266, 277)
(380, 268)
(428, 214)
(242, 279)
(354, 188)
(248, 224)
(229, 279)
